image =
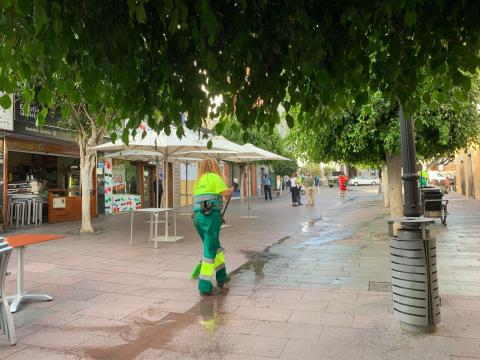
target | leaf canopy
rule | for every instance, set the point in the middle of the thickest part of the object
(145, 57)
(364, 135)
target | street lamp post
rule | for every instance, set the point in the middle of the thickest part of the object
(409, 157)
(413, 260)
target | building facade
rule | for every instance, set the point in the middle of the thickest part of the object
(467, 166)
(41, 166)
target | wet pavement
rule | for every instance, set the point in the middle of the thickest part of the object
(308, 283)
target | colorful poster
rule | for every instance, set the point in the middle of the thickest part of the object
(126, 203)
(118, 178)
(108, 185)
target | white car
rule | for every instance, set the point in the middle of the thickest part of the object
(364, 180)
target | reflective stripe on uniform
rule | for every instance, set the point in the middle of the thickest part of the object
(215, 200)
(219, 260)
(207, 269)
(206, 197)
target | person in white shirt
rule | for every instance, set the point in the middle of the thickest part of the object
(294, 188)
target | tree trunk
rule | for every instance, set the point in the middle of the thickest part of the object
(394, 168)
(86, 172)
(386, 192)
(89, 135)
(87, 164)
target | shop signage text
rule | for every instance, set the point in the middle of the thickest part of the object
(26, 124)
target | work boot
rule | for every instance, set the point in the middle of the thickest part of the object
(222, 283)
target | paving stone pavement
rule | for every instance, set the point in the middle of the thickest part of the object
(307, 283)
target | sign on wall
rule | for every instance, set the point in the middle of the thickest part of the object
(6, 117)
(59, 202)
(26, 123)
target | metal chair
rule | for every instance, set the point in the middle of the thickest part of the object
(6, 321)
(38, 211)
(17, 212)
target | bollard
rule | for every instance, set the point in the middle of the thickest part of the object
(413, 260)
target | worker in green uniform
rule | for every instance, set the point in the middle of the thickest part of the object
(210, 190)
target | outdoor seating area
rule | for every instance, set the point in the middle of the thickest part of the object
(25, 210)
(154, 221)
(160, 148)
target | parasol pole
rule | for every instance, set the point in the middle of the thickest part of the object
(186, 182)
(249, 185)
(157, 184)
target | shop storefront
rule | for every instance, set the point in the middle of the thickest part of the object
(41, 172)
(125, 185)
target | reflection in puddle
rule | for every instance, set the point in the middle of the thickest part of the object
(156, 336)
(309, 224)
(212, 313)
(257, 262)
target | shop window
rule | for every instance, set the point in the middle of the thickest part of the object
(124, 177)
(53, 172)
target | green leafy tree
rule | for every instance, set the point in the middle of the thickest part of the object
(47, 64)
(366, 134)
(369, 135)
(155, 56)
(313, 168)
(90, 129)
(263, 137)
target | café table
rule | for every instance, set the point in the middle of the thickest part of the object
(19, 242)
(154, 221)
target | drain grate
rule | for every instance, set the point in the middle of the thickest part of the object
(378, 236)
(379, 286)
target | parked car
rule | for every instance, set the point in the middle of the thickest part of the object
(333, 178)
(364, 180)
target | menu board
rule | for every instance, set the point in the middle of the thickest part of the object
(118, 178)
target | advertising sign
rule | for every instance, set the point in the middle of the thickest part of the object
(6, 117)
(118, 178)
(26, 123)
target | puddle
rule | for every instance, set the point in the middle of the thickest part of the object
(163, 334)
(320, 240)
(258, 261)
(310, 223)
(166, 333)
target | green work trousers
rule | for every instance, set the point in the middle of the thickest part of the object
(213, 262)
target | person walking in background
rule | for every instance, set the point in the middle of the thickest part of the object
(446, 185)
(309, 188)
(294, 189)
(267, 186)
(317, 183)
(299, 189)
(342, 184)
(209, 192)
(286, 182)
